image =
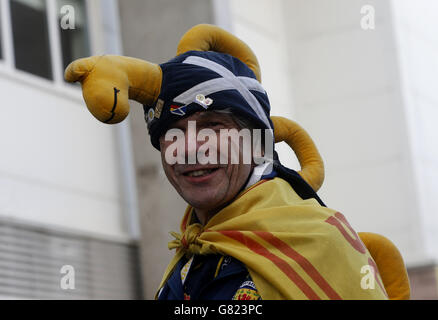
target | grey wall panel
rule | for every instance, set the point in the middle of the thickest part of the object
(31, 259)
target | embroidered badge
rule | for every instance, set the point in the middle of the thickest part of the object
(158, 108)
(178, 110)
(247, 291)
(203, 101)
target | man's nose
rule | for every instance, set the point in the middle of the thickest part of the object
(206, 139)
(191, 142)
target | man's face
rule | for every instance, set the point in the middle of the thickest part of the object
(207, 187)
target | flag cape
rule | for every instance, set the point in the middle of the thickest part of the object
(292, 248)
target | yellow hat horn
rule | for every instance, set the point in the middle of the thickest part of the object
(109, 81)
(206, 37)
(312, 166)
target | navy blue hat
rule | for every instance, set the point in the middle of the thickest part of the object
(206, 80)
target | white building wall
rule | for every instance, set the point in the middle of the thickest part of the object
(59, 166)
(67, 181)
(416, 30)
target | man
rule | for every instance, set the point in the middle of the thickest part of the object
(208, 188)
(252, 229)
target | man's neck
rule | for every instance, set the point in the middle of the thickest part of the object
(204, 216)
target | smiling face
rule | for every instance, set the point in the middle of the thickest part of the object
(206, 187)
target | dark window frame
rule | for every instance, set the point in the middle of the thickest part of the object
(54, 38)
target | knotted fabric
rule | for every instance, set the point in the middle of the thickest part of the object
(188, 241)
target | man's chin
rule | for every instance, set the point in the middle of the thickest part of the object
(205, 203)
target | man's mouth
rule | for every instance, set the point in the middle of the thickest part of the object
(199, 173)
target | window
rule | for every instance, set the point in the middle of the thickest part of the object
(36, 40)
(31, 37)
